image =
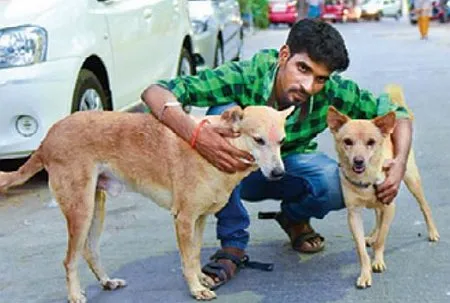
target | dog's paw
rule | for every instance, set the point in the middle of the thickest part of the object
(205, 280)
(112, 284)
(378, 266)
(203, 294)
(433, 236)
(364, 280)
(77, 298)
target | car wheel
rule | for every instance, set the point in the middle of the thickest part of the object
(186, 63)
(89, 93)
(218, 53)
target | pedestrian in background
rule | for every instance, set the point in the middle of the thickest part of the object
(423, 10)
(313, 9)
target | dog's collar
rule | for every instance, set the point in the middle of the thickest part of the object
(359, 184)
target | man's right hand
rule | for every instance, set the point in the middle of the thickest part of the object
(213, 146)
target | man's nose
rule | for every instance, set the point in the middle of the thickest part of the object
(308, 85)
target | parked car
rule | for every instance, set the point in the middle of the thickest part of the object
(392, 8)
(372, 9)
(437, 13)
(218, 31)
(340, 11)
(58, 57)
(283, 11)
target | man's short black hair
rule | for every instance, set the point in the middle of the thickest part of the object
(321, 42)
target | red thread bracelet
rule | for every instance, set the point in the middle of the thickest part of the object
(197, 131)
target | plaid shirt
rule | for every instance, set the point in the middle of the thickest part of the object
(251, 82)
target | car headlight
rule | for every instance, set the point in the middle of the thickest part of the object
(23, 45)
(199, 26)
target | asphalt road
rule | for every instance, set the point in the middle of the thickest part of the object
(138, 243)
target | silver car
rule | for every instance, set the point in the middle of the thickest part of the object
(218, 31)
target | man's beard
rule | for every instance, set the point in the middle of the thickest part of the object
(301, 97)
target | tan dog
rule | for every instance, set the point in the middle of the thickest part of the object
(154, 161)
(362, 147)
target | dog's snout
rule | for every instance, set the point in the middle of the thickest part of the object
(277, 173)
(358, 161)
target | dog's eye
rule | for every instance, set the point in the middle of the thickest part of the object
(348, 142)
(371, 142)
(259, 140)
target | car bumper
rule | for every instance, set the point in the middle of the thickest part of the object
(283, 17)
(42, 91)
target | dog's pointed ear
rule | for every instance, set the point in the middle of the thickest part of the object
(335, 119)
(385, 123)
(232, 117)
(285, 113)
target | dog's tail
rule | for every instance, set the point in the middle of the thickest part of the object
(25, 172)
(395, 92)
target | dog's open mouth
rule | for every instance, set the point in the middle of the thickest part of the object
(359, 169)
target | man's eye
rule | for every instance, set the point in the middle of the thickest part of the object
(303, 68)
(259, 140)
(348, 142)
(282, 141)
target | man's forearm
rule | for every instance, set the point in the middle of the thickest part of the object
(155, 97)
(402, 137)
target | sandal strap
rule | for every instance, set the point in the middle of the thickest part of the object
(242, 263)
(305, 237)
(220, 254)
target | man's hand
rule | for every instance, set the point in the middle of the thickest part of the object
(213, 147)
(388, 190)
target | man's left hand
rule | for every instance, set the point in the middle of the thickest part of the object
(388, 190)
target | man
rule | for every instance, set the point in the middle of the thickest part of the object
(302, 73)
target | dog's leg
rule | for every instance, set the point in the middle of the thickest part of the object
(185, 228)
(413, 182)
(387, 215)
(357, 228)
(198, 241)
(374, 234)
(91, 248)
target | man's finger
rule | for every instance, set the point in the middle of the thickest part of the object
(227, 132)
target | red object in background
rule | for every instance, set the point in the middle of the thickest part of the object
(283, 11)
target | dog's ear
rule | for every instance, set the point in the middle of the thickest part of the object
(385, 123)
(232, 117)
(335, 119)
(285, 113)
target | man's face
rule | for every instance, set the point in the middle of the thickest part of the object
(298, 78)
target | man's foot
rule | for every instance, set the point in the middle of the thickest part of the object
(303, 237)
(224, 265)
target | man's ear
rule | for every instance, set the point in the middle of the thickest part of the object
(285, 113)
(385, 123)
(284, 54)
(335, 119)
(232, 117)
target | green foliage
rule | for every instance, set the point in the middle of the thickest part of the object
(259, 9)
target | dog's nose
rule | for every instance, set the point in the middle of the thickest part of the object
(358, 161)
(277, 173)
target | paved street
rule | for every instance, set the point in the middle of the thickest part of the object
(138, 243)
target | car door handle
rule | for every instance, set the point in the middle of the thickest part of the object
(147, 13)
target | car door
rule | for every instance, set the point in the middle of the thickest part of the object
(229, 15)
(131, 24)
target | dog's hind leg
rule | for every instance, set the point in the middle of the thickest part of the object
(91, 251)
(386, 217)
(414, 184)
(185, 228)
(198, 240)
(74, 192)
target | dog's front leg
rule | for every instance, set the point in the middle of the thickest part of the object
(198, 240)
(185, 228)
(357, 228)
(387, 215)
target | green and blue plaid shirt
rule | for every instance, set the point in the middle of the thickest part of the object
(250, 83)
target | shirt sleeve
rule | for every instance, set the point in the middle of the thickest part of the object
(359, 103)
(222, 85)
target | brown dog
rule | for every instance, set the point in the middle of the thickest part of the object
(362, 147)
(154, 161)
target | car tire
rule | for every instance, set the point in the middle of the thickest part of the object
(89, 93)
(186, 64)
(218, 54)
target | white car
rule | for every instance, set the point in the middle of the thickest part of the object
(218, 30)
(59, 56)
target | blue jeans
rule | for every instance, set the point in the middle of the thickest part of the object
(310, 188)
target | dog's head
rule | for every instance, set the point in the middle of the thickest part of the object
(359, 142)
(262, 134)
